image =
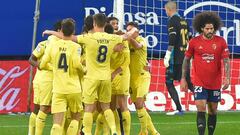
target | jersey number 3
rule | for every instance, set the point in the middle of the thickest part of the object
(102, 53)
(62, 63)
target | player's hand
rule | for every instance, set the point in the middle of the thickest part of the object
(118, 48)
(46, 32)
(226, 83)
(166, 62)
(119, 32)
(167, 58)
(183, 84)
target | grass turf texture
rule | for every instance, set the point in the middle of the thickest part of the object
(228, 124)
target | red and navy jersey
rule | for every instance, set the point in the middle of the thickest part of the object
(178, 33)
(207, 55)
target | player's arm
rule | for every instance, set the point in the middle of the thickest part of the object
(172, 36)
(135, 43)
(45, 62)
(33, 60)
(226, 63)
(58, 34)
(185, 69)
(115, 72)
(77, 59)
(186, 66)
(130, 34)
(37, 53)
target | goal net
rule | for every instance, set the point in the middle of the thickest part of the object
(152, 19)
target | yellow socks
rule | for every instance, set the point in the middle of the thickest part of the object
(56, 129)
(110, 120)
(99, 124)
(117, 121)
(80, 121)
(40, 122)
(31, 124)
(143, 119)
(95, 115)
(150, 125)
(73, 128)
(87, 123)
(126, 118)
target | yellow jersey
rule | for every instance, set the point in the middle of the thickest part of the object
(66, 62)
(121, 59)
(99, 48)
(138, 57)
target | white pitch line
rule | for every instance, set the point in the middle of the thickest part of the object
(133, 124)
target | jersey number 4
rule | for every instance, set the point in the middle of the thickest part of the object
(102, 53)
(62, 62)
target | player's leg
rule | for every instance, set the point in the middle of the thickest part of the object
(75, 105)
(213, 98)
(59, 105)
(57, 122)
(45, 100)
(140, 111)
(33, 115)
(113, 106)
(105, 93)
(121, 90)
(32, 120)
(171, 89)
(66, 121)
(200, 101)
(126, 116)
(89, 99)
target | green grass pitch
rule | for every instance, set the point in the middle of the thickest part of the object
(228, 124)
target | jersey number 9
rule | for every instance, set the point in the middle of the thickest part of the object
(62, 62)
(102, 53)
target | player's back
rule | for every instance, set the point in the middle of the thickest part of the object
(65, 57)
(99, 48)
(179, 25)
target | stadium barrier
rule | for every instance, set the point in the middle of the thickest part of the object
(14, 76)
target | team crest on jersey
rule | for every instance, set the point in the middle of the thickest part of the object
(214, 46)
(200, 47)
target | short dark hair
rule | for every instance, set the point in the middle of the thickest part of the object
(201, 19)
(109, 19)
(88, 24)
(109, 28)
(134, 24)
(57, 26)
(100, 19)
(68, 26)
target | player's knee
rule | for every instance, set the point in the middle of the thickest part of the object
(139, 103)
(169, 84)
(45, 109)
(201, 108)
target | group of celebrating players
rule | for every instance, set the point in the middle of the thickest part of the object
(88, 77)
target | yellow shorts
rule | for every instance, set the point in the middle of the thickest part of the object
(36, 97)
(139, 86)
(120, 84)
(45, 92)
(60, 102)
(96, 90)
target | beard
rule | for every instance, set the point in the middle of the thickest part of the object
(208, 35)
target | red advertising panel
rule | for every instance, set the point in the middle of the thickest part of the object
(14, 76)
(158, 98)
